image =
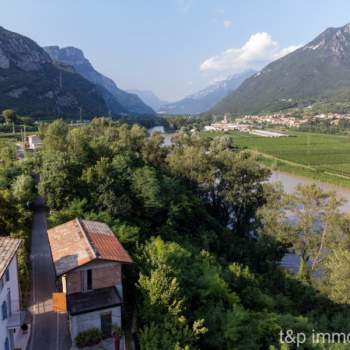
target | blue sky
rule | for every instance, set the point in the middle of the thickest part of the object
(174, 47)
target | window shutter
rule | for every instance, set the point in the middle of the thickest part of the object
(4, 310)
(7, 275)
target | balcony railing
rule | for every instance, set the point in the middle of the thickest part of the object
(16, 319)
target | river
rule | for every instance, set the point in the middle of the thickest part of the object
(160, 129)
(289, 183)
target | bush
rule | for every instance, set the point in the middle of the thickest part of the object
(88, 338)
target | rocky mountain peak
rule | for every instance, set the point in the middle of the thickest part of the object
(20, 51)
(68, 55)
(75, 58)
(334, 40)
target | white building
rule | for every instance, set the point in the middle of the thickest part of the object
(11, 317)
(34, 142)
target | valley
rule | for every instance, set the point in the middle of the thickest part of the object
(168, 182)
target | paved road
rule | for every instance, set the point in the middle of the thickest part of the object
(49, 329)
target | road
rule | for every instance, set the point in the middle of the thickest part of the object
(49, 329)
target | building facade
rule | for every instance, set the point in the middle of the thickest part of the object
(11, 316)
(34, 142)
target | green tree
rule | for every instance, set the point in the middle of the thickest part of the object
(317, 225)
(146, 186)
(338, 275)
(10, 116)
(163, 307)
(23, 189)
(59, 179)
(56, 134)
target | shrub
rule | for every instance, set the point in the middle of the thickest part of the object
(88, 338)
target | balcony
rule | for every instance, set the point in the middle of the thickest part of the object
(97, 299)
(20, 337)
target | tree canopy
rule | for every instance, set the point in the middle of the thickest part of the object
(206, 232)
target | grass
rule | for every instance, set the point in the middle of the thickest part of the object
(9, 136)
(319, 156)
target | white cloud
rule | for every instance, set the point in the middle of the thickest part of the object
(259, 50)
(185, 5)
(227, 23)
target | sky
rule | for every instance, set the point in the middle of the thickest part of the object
(174, 47)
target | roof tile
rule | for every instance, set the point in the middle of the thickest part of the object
(8, 248)
(78, 242)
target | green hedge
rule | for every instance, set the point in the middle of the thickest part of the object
(88, 338)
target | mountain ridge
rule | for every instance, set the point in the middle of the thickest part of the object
(75, 57)
(206, 98)
(318, 72)
(148, 97)
(32, 84)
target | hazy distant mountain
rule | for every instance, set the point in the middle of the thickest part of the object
(205, 99)
(75, 58)
(317, 72)
(149, 98)
(32, 84)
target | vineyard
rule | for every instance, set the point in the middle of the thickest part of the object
(323, 157)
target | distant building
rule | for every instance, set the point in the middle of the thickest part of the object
(34, 142)
(265, 133)
(11, 316)
(88, 261)
(224, 125)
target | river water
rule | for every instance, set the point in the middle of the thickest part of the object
(289, 183)
(160, 129)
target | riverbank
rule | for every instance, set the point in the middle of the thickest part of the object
(290, 182)
(290, 173)
(314, 174)
(321, 157)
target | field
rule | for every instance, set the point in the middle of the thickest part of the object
(320, 156)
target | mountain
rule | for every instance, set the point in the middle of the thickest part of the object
(32, 84)
(75, 58)
(149, 98)
(318, 72)
(203, 100)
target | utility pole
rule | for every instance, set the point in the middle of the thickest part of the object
(13, 127)
(81, 115)
(308, 149)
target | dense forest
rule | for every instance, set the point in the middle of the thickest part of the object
(206, 231)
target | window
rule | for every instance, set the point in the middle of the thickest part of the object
(89, 279)
(1, 284)
(86, 280)
(7, 275)
(4, 310)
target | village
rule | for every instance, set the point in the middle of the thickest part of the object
(249, 123)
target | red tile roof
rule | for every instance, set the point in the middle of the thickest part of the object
(8, 249)
(108, 247)
(78, 242)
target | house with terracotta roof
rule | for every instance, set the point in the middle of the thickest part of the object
(11, 316)
(88, 260)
